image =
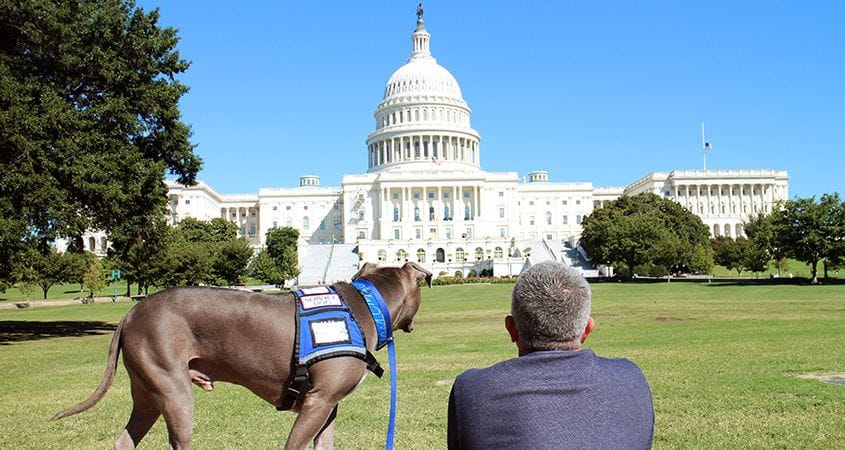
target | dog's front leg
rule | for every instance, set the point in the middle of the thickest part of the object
(314, 414)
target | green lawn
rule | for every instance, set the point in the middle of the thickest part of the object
(722, 361)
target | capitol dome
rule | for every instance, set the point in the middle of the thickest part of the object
(422, 77)
(422, 117)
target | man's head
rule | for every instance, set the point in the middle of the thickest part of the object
(550, 307)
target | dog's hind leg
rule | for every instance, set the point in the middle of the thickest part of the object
(144, 415)
(177, 405)
(313, 415)
(325, 438)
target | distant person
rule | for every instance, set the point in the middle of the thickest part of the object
(554, 395)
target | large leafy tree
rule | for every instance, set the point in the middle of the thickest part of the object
(645, 229)
(89, 122)
(264, 268)
(52, 268)
(232, 260)
(740, 254)
(766, 234)
(812, 231)
(281, 246)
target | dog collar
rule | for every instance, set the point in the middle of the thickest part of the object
(378, 309)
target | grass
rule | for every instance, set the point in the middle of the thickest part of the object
(721, 359)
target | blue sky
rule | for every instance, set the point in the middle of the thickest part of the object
(600, 91)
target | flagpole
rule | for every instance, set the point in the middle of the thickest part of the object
(703, 147)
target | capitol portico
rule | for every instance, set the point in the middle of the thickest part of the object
(426, 198)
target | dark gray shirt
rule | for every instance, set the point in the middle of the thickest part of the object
(553, 399)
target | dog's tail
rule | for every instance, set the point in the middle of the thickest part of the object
(105, 383)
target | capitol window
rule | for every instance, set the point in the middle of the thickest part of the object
(460, 256)
(498, 252)
(501, 213)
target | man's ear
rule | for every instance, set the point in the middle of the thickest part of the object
(588, 329)
(510, 325)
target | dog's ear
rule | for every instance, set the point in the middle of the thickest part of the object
(419, 272)
(368, 267)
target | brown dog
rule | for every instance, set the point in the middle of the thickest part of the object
(203, 335)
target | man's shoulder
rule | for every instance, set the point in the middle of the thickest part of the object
(585, 362)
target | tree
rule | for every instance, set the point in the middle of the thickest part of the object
(26, 280)
(95, 277)
(764, 232)
(232, 260)
(264, 267)
(142, 258)
(645, 229)
(52, 268)
(751, 257)
(281, 246)
(726, 253)
(89, 121)
(811, 231)
(187, 264)
(702, 259)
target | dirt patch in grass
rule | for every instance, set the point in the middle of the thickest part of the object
(664, 319)
(837, 378)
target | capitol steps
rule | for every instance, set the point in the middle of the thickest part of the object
(327, 263)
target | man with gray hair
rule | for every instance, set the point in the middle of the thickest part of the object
(554, 395)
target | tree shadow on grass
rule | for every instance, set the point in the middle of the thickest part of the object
(12, 331)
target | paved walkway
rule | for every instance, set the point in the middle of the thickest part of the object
(58, 302)
(7, 304)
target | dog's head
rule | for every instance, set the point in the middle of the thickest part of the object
(400, 287)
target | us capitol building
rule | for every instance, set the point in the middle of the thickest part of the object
(425, 197)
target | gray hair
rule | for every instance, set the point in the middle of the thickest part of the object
(551, 306)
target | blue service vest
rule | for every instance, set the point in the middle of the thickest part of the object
(325, 327)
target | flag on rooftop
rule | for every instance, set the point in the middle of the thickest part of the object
(707, 146)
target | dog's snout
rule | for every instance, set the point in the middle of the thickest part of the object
(408, 328)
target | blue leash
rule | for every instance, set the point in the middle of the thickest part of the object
(384, 327)
(391, 423)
